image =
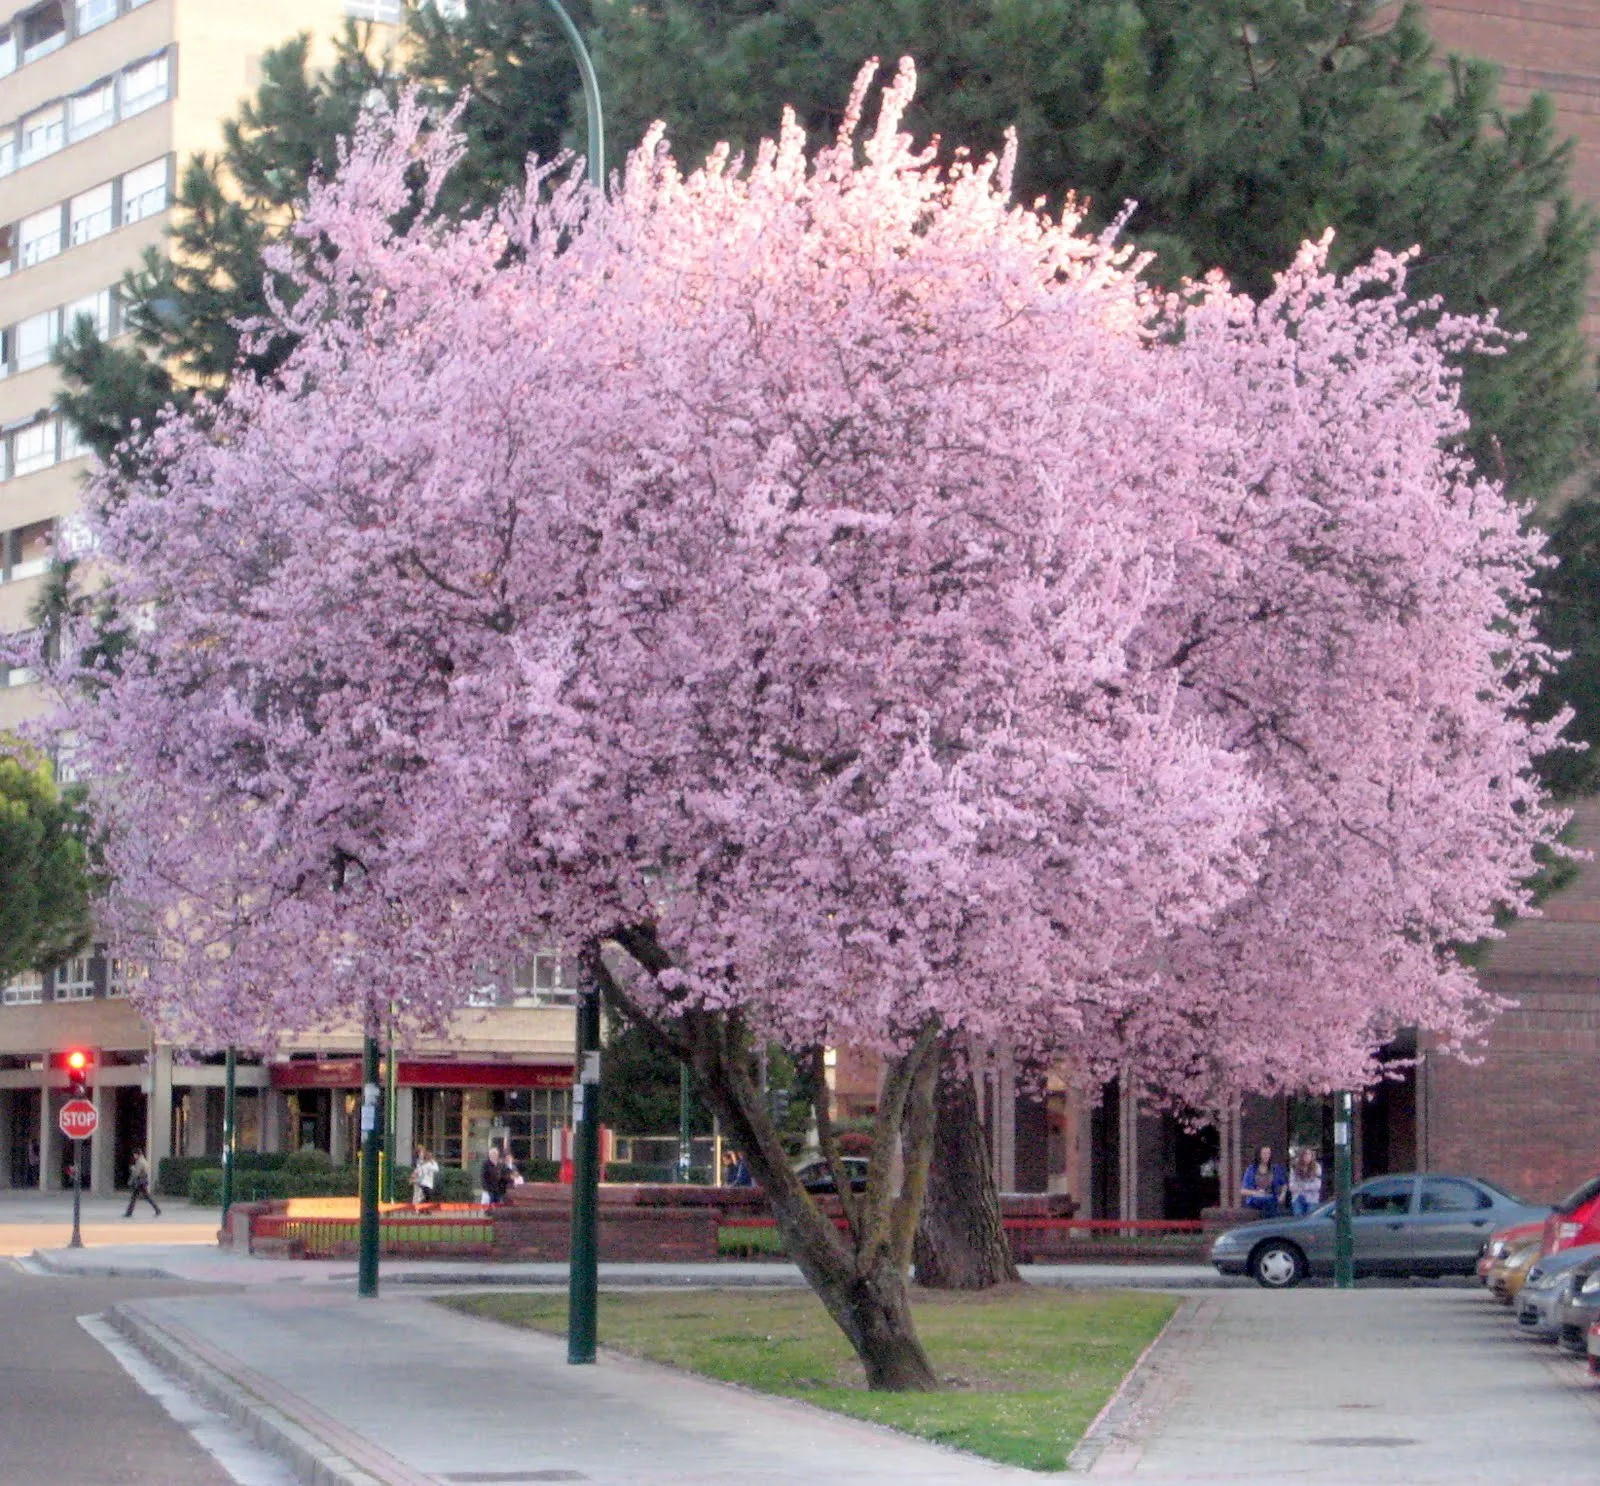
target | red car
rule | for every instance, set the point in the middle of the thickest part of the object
(1573, 1220)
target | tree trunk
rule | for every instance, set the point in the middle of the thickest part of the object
(961, 1239)
(860, 1275)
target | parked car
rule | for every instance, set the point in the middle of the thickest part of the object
(1580, 1308)
(1549, 1282)
(816, 1176)
(1503, 1242)
(1575, 1220)
(1405, 1224)
(1507, 1274)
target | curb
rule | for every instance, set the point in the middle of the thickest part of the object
(100, 1271)
(1121, 1412)
(311, 1457)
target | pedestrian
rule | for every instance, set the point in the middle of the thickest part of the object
(139, 1184)
(496, 1178)
(33, 1163)
(424, 1177)
(735, 1170)
(1305, 1182)
(1264, 1184)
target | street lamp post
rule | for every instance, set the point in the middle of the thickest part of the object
(229, 1126)
(371, 1148)
(583, 1270)
(1343, 1234)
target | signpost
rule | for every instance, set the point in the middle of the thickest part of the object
(1343, 1238)
(78, 1121)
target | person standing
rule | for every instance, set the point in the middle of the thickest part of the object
(1305, 1182)
(424, 1178)
(139, 1184)
(1264, 1184)
(495, 1177)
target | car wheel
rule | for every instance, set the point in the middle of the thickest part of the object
(1277, 1265)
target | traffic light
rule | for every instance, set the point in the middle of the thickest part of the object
(78, 1072)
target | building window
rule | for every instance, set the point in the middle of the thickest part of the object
(32, 547)
(93, 14)
(74, 981)
(95, 308)
(90, 214)
(41, 236)
(144, 192)
(26, 989)
(43, 133)
(374, 10)
(44, 30)
(8, 151)
(91, 111)
(546, 980)
(144, 85)
(118, 974)
(35, 340)
(33, 449)
(8, 50)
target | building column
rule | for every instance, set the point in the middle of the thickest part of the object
(338, 1149)
(1005, 1092)
(158, 1107)
(1128, 1150)
(49, 1143)
(405, 1106)
(274, 1119)
(11, 1155)
(103, 1147)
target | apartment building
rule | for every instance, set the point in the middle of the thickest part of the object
(101, 101)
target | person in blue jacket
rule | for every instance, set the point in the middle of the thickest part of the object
(1264, 1184)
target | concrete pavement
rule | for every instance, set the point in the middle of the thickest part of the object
(34, 1220)
(1397, 1387)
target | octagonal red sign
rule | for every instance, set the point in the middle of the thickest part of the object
(78, 1119)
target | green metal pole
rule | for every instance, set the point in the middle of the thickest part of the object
(229, 1110)
(685, 1152)
(389, 1116)
(371, 1150)
(584, 1269)
(591, 96)
(1343, 1235)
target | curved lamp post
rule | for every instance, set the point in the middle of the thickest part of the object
(583, 1267)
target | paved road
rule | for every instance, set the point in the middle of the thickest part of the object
(69, 1414)
(43, 1220)
(1369, 1388)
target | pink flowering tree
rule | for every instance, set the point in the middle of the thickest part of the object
(777, 585)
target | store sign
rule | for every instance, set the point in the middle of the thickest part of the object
(416, 1073)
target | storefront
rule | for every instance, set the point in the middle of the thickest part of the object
(455, 1109)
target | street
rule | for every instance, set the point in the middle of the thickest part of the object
(69, 1413)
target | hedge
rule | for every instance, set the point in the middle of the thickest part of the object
(204, 1187)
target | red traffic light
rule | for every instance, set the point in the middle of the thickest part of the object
(78, 1064)
(77, 1061)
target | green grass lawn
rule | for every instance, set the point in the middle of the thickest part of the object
(1024, 1370)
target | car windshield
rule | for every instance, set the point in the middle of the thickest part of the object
(1574, 1200)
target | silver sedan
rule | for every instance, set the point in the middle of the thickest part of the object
(1402, 1225)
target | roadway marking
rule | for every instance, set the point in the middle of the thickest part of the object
(245, 1462)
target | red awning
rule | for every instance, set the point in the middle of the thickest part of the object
(412, 1073)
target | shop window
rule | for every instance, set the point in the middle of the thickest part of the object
(91, 111)
(90, 214)
(41, 236)
(93, 14)
(144, 85)
(35, 340)
(44, 131)
(44, 30)
(144, 192)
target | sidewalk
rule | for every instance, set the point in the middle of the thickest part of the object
(209, 1264)
(405, 1392)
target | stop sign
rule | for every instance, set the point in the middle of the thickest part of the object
(78, 1119)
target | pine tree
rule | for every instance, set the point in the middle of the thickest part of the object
(1238, 127)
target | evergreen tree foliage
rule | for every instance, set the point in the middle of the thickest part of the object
(44, 866)
(1238, 127)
